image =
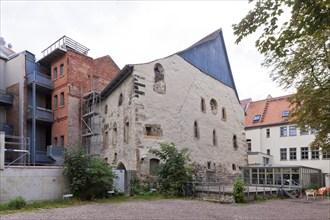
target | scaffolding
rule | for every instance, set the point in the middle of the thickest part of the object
(90, 119)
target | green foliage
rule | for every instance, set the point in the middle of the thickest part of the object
(175, 172)
(314, 186)
(88, 177)
(298, 50)
(17, 203)
(239, 187)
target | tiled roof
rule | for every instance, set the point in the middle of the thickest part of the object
(270, 111)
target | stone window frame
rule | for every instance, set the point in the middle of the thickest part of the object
(214, 138)
(235, 144)
(54, 73)
(62, 70)
(223, 114)
(126, 131)
(55, 100)
(196, 130)
(159, 73)
(62, 102)
(62, 140)
(214, 106)
(120, 99)
(153, 163)
(203, 105)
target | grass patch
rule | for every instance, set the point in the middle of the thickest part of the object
(7, 208)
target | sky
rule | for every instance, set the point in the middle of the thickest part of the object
(134, 32)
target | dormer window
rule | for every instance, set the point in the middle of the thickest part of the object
(285, 114)
(256, 118)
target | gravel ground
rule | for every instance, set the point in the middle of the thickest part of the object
(187, 209)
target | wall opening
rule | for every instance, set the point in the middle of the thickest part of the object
(215, 141)
(120, 100)
(153, 164)
(196, 130)
(203, 107)
(235, 145)
(214, 106)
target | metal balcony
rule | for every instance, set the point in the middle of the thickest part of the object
(42, 115)
(42, 80)
(7, 128)
(6, 98)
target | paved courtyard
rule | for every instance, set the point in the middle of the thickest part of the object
(187, 209)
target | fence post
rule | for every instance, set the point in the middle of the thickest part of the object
(2, 150)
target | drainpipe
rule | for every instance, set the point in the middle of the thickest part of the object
(2, 150)
(34, 106)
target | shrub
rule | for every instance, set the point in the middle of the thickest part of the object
(17, 203)
(239, 187)
(89, 177)
(175, 172)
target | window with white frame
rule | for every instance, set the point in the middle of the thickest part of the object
(315, 154)
(283, 131)
(292, 130)
(283, 154)
(304, 153)
(293, 153)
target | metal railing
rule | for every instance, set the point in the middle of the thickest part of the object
(40, 79)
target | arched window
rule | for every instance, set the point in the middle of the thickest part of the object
(153, 163)
(224, 114)
(120, 100)
(114, 134)
(126, 131)
(159, 72)
(214, 106)
(215, 141)
(196, 130)
(235, 145)
(203, 108)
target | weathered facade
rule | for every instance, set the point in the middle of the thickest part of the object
(188, 98)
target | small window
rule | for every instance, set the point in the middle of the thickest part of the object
(249, 144)
(233, 166)
(208, 165)
(214, 106)
(115, 158)
(268, 151)
(62, 99)
(55, 102)
(292, 130)
(196, 130)
(159, 72)
(148, 130)
(293, 153)
(268, 133)
(55, 141)
(214, 138)
(106, 109)
(224, 114)
(315, 154)
(126, 132)
(235, 145)
(325, 154)
(283, 154)
(114, 134)
(304, 153)
(62, 140)
(285, 114)
(256, 118)
(153, 164)
(120, 100)
(62, 70)
(283, 131)
(203, 108)
(55, 73)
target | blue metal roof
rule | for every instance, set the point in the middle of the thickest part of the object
(210, 56)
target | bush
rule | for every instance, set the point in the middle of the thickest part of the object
(175, 172)
(89, 177)
(17, 203)
(239, 187)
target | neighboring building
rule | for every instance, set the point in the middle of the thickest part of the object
(273, 141)
(47, 96)
(188, 98)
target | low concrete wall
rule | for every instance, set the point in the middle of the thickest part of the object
(33, 184)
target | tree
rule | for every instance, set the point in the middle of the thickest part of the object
(175, 172)
(89, 177)
(298, 51)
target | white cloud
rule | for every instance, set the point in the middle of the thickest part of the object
(137, 32)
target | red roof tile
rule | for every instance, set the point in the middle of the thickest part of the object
(270, 111)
